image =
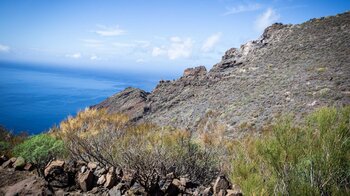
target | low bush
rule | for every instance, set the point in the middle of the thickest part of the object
(311, 159)
(148, 150)
(40, 149)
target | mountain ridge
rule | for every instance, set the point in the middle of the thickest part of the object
(290, 68)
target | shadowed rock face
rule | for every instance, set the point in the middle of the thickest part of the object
(289, 69)
(130, 101)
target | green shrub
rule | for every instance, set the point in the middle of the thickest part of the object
(313, 159)
(40, 149)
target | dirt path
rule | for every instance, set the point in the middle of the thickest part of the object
(10, 177)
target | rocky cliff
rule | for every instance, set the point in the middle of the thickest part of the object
(289, 69)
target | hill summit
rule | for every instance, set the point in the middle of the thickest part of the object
(289, 69)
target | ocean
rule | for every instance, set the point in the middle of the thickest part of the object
(34, 98)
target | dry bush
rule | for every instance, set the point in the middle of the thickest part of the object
(148, 150)
(90, 136)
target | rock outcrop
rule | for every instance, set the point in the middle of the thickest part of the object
(290, 68)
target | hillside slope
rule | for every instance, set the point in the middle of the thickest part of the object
(291, 68)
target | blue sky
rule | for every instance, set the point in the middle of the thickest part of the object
(150, 35)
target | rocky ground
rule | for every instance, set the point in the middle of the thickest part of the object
(290, 69)
(80, 178)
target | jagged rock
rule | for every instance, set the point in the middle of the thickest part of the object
(30, 186)
(55, 174)
(110, 178)
(83, 169)
(8, 163)
(92, 165)
(57, 164)
(221, 184)
(19, 163)
(3, 159)
(28, 167)
(231, 192)
(85, 180)
(115, 191)
(101, 180)
(100, 171)
(248, 86)
(208, 191)
(197, 71)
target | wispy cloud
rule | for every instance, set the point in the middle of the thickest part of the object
(74, 56)
(94, 58)
(267, 18)
(242, 8)
(210, 42)
(106, 31)
(93, 43)
(177, 48)
(4, 48)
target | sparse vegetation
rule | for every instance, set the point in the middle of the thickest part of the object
(311, 159)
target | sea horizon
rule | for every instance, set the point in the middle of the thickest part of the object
(35, 98)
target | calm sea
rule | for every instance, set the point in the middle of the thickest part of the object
(35, 98)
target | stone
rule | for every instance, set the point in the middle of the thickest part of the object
(231, 192)
(101, 180)
(115, 191)
(221, 183)
(99, 171)
(208, 191)
(222, 192)
(110, 178)
(197, 71)
(56, 176)
(3, 159)
(92, 165)
(8, 163)
(53, 165)
(28, 167)
(19, 163)
(83, 169)
(85, 180)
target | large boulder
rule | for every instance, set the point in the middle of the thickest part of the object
(197, 71)
(19, 163)
(85, 180)
(110, 178)
(56, 175)
(8, 163)
(58, 164)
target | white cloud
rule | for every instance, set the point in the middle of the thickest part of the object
(74, 56)
(93, 43)
(94, 58)
(4, 48)
(124, 45)
(157, 51)
(242, 8)
(267, 18)
(210, 42)
(177, 48)
(180, 48)
(109, 31)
